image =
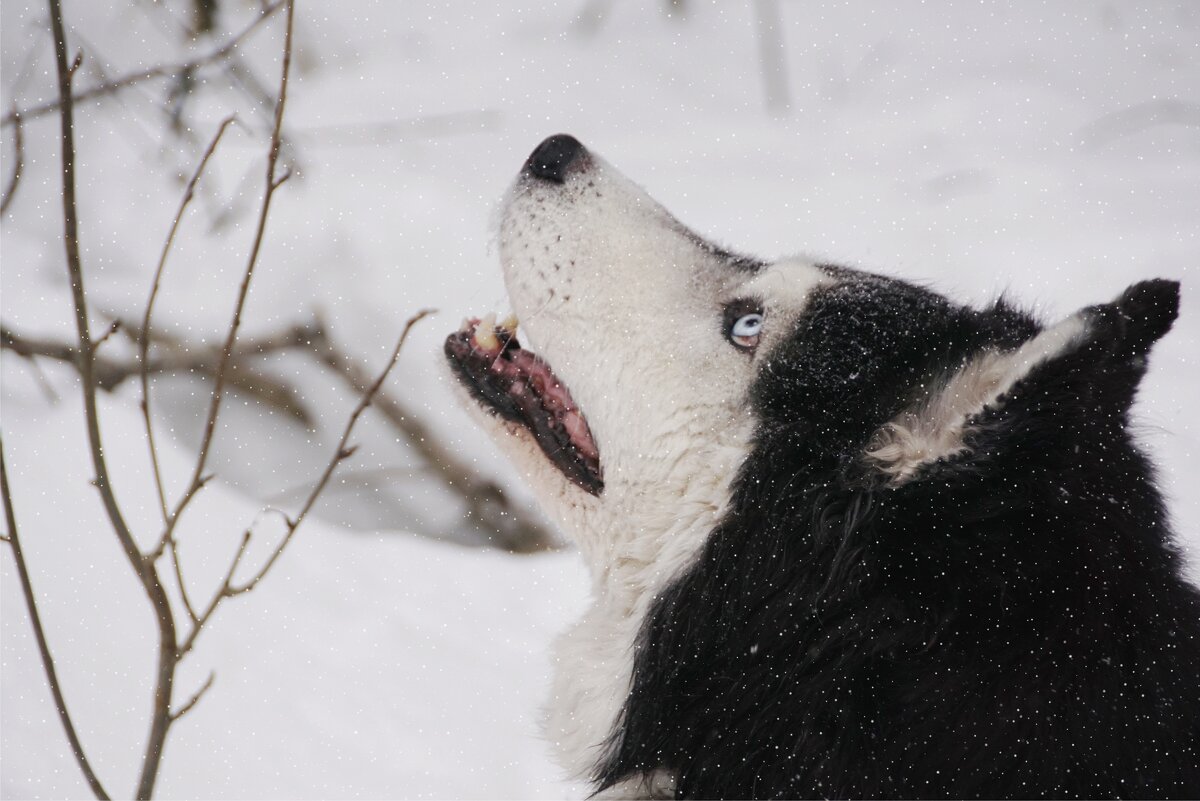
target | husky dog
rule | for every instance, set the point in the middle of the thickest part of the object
(847, 538)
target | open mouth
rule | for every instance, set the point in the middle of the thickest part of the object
(521, 387)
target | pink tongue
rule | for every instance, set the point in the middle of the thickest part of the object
(580, 435)
(557, 401)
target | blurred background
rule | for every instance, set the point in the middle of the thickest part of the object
(1050, 151)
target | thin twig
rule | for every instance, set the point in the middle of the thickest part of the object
(341, 453)
(10, 191)
(113, 328)
(227, 588)
(242, 77)
(144, 335)
(195, 699)
(132, 79)
(272, 183)
(177, 567)
(145, 570)
(220, 595)
(60, 703)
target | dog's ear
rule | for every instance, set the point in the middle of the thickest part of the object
(1086, 366)
(1139, 317)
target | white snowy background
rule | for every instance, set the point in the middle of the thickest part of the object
(1050, 150)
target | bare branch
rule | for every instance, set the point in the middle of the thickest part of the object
(83, 352)
(244, 79)
(144, 335)
(135, 78)
(227, 588)
(195, 699)
(60, 703)
(10, 191)
(227, 353)
(30, 347)
(145, 570)
(510, 526)
(27, 350)
(341, 453)
(111, 373)
(271, 184)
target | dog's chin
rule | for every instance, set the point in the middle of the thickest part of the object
(521, 388)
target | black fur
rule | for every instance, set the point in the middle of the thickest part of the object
(1013, 623)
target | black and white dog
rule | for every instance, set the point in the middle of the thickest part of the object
(847, 538)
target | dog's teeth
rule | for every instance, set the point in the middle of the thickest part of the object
(486, 339)
(509, 324)
(485, 333)
(466, 324)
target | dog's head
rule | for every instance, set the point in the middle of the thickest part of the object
(664, 361)
(647, 336)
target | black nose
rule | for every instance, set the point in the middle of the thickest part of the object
(552, 158)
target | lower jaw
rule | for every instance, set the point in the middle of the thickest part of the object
(519, 387)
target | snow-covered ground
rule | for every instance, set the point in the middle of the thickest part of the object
(1051, 151)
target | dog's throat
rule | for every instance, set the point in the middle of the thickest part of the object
(520, 387)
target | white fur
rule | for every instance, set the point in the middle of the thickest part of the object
(626, 306)
(935, 427)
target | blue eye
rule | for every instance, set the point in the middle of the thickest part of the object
(743, 321)
(749, 325)
(745, 330)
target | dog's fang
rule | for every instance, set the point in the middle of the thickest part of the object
(485, 333)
